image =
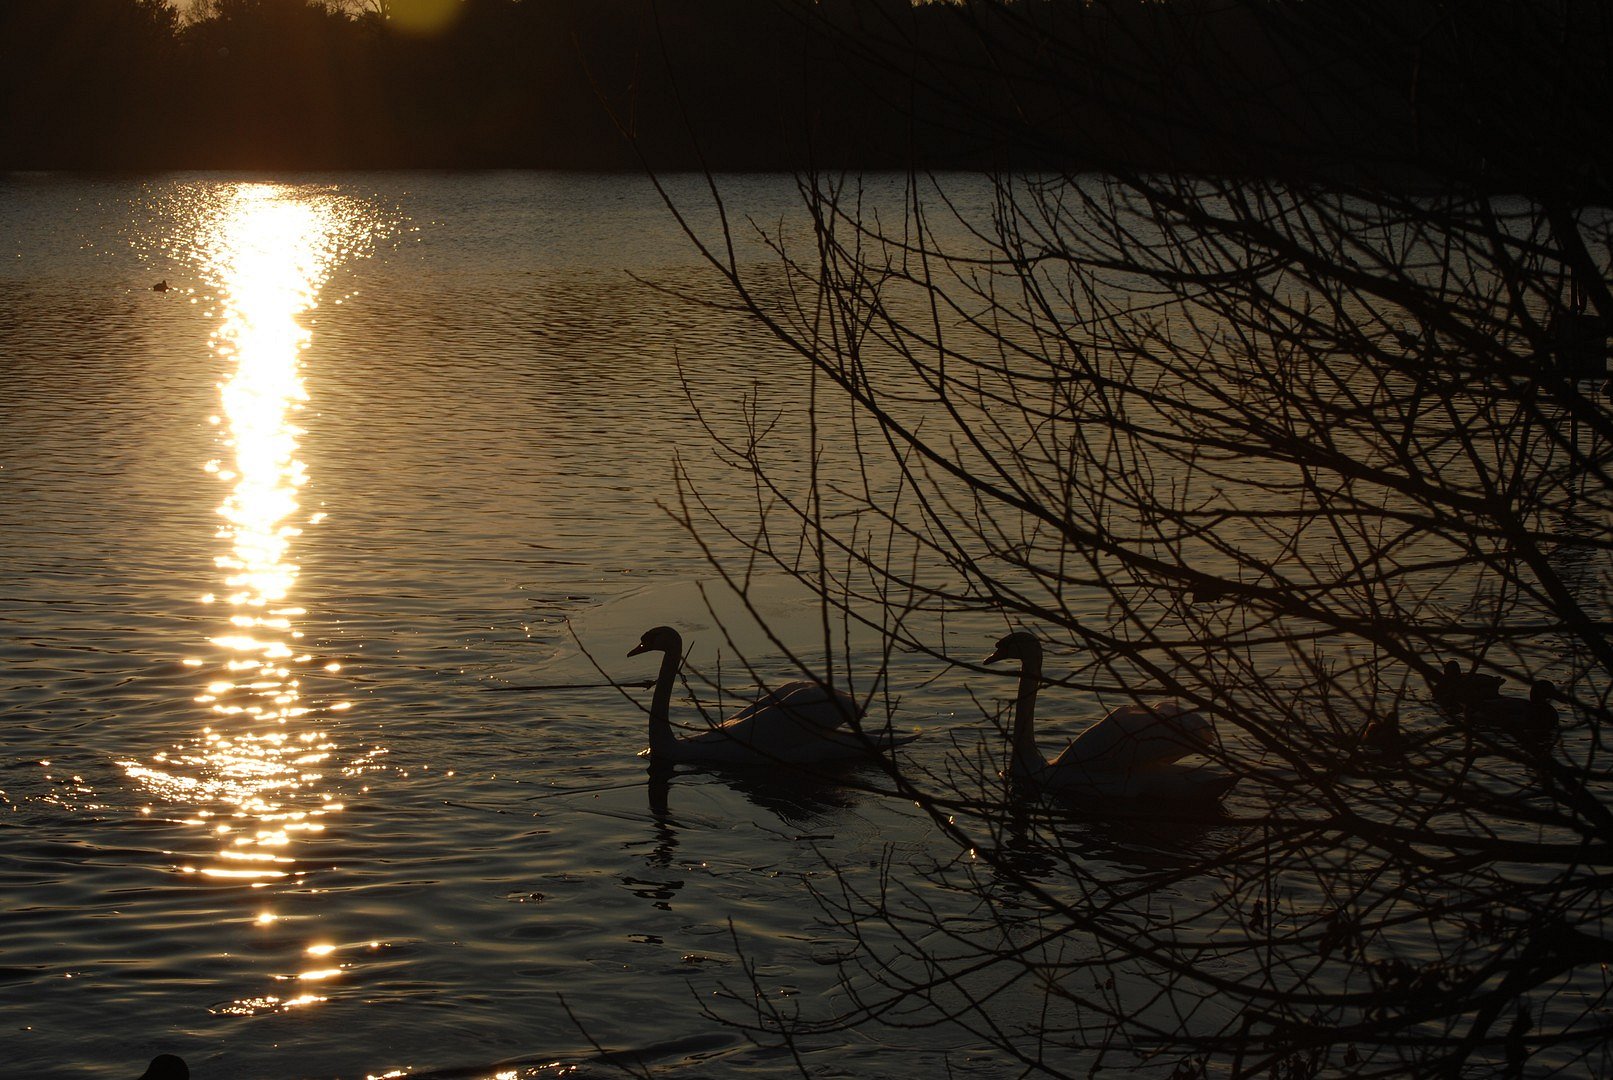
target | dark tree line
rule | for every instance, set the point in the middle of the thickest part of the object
(1381, 89)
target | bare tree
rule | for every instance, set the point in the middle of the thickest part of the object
(1279, 449)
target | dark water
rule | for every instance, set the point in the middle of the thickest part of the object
(315, 568)
(273, 542)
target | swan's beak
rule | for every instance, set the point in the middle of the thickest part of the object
(996, 655)
(636, 649)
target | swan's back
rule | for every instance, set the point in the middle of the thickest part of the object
(1138, 737)
(797, 704)
(800, 722)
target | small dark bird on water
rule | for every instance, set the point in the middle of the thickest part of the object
(1456, 689)
(166, 1067)
(161, 286)
(1383, 734)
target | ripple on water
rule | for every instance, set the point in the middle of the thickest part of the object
(457, 483)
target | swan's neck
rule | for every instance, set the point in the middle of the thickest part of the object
(1026, 761)
(662, 740)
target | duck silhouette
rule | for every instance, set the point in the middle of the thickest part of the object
(1456, 689)
(1534, 715)
(161, 286)
(166, 1067)
(1382, 734)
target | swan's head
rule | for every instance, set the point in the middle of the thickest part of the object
(1453, 670)
(166, 1067)
(659, 639)
(1021, 645)
(1542, 691)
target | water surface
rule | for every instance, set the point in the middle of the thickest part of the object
(318, 565)
(278, 539)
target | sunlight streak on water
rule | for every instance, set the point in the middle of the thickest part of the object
(256, 778)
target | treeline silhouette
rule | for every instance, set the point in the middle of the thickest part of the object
(1381, 87)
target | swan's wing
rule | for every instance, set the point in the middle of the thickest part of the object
(807, 705)
(797, 722)
(1138, 737)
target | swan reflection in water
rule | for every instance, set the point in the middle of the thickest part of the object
(663, 844)
(1042, 843)
(798, 799)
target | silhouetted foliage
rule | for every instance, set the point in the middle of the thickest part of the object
(1277, 440)
(1377, 89)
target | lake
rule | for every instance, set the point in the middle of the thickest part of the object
(287, 547)
(332, 507)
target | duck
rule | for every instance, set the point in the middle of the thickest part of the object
(1382, 734)
(800, 722)
(1455, 689)
(1131, 753)
(1533, 715)
(166, 1067)
(1209, 591)
(161, 286)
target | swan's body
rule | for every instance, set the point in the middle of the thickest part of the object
(1131, 753)
(1457, 689)
(1532, 715)
(797, 723)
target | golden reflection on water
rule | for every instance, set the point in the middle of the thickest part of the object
(256, 778)
(268, 257)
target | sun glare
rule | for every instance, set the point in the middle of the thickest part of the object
(423, 18)
(256, 776)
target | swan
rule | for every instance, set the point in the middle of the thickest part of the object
(1129, 754)
(796, 723)
(1532, 715)
(166, 1067)
(1456, 689)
